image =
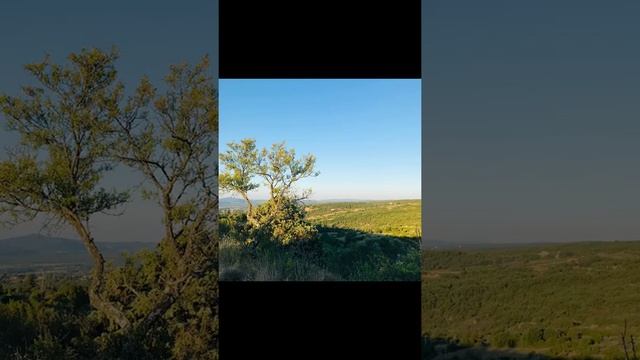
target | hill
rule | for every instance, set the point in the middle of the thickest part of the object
(356, 241)
(431, 244)
(37, 252)
(394, 218)
(230, 203)
(566, 300)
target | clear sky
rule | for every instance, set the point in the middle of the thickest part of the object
(364, 133)
(532, 120)
(150, 34)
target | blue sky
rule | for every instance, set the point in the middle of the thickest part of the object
(364, 133)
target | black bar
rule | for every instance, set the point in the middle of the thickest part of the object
(320, 39)
(323, 320)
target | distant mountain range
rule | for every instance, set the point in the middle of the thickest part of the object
(37, 250)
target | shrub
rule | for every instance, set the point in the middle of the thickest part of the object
(282, 220)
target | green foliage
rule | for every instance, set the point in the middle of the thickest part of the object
(65, 128)
(269, 262)
(74, 128)
(395, 218)
(50, 318)
(557, 300)
(63, 125)
(357, 255)
(174, 147)
(335, 253)
(283, 221)
(381, 267)
(281, 169)
(36, 315)
(278, 167)
(270, 242)
(240, 162)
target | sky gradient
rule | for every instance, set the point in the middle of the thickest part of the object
(150, 35)
(365, 134)
(531, 120)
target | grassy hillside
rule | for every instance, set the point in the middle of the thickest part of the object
(569, 300)
(374, 240)
(394, 218)
(356, 241)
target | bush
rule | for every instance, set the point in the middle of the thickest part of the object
(283, 220)
(234, 225)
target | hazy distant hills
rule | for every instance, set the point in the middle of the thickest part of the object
(239, 204)
(38, 251)
(452, 245)
(235, 203)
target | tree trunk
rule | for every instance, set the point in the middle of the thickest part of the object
(97, 277)
(250, 217)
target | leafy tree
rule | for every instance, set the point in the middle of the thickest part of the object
(240, 163)
(174, 145)
(62, 125)
(282, 218)
(280, 169)
(73, 129)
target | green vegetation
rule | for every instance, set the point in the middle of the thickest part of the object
(333, 254)
(50, 317)
(282, 239)
(562, 301)
(395, 218)
(74, 127)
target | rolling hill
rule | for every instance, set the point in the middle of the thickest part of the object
(356, 241)
(394, 217)
(566, 301)
(37, 252)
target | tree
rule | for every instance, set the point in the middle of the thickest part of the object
(281, 218)
(280, 169)
(174, 145)
(63, 125)
(240, 163)
(73, 129)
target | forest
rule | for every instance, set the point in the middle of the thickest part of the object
(545, 301)
(76, 124)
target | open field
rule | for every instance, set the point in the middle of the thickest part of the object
(562, 301)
